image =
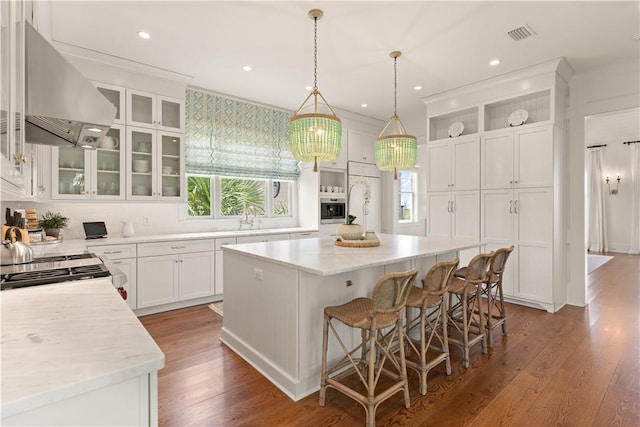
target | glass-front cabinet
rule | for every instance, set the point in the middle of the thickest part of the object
(12, 145)
(115, 95)
(91, 174)
(155, 165)
(155, 111)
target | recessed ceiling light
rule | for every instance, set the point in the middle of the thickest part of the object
(246, 67)
(417, 87)
(308, 88)
(364, 105)
(144, 35)
(494, 62)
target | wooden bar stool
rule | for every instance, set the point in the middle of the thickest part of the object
(372, 316)
(430, 322)
(495, 314)
(465, 305)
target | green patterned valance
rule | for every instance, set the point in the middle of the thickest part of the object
(233, 138)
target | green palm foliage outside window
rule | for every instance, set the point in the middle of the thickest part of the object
(241, 196)
(199, 195)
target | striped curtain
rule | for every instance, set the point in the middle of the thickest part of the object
(228, 137)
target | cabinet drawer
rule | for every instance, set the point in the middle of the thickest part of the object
(263, 238)
(224, 241)
(177, 247)
(115, 251)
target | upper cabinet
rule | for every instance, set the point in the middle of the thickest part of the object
(518, 158)
(12, 144)
(155, 111)
(91, 174)
(454, 164)
(154, 168)
(361, 147)
(115, 95)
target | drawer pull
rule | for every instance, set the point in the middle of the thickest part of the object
(178, 247)
(112, 252)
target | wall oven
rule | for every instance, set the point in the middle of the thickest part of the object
(332, 211)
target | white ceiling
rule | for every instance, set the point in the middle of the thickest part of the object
(445, 44)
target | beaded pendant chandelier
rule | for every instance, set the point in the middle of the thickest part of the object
(315, 136)
(394, 149)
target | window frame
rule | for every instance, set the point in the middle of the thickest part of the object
(216, 197)
(414, 197)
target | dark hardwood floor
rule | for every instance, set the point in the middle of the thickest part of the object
(577, 367)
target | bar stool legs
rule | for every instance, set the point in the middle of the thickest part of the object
(465, 307)
(380, 319)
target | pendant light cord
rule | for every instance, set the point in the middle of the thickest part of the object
(315, 53)
(395, 86)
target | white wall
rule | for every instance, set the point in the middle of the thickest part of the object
(600, 90)
(613, 129)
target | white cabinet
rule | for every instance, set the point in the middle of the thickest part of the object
(124, 257)
(340, 162)
(174, 271)
(454, 164)
(523, 218)
(115, 95)
(262, 238)
(131, 402)
(520, 158)
(12, 144)
(361, 147)
(453, 214)
(154, 168)
(154, 111)
(91, 174)
(219, 277)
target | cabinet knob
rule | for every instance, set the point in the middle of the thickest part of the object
(19, 158)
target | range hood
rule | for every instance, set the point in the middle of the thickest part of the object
(62, 107)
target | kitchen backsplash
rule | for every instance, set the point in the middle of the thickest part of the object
(163, 218)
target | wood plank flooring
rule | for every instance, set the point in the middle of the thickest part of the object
(577, 367)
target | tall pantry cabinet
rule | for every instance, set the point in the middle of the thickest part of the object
(519, 122)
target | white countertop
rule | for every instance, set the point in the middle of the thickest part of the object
(68, 246)
(65, 339)
(321, 256)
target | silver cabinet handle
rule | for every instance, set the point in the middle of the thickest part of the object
(453, 207)
(510, 206)
(515, 206)
(178, 247)
(449, 206)
(112, 252)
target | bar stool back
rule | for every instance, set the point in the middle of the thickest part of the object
(380, 320)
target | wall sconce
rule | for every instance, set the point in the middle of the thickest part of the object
(615, 190)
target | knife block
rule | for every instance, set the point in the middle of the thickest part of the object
(24, 234)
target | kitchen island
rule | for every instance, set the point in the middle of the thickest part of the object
(275, 293)
(74, 353)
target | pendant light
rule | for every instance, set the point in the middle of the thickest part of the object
(395, 150)
(315, 136)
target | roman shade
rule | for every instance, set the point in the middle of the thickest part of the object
(228, 137)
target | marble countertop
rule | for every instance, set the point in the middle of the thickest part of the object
(321, 256)
(68, 246)
(65, 339)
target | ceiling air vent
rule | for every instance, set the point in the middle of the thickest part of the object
(521, 33)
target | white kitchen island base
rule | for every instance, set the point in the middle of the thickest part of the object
(275, 293)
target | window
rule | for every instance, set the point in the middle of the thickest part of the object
(407, 187)
(234, 197)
